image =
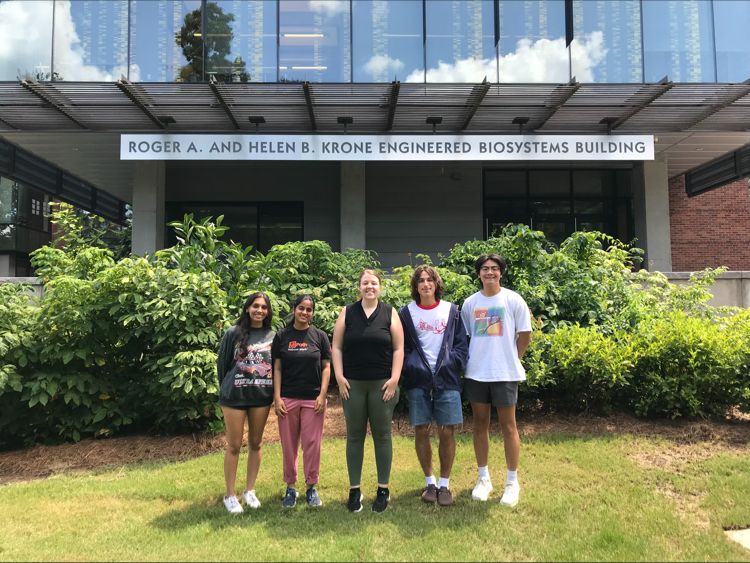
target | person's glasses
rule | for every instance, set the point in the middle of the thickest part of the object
(486, 269)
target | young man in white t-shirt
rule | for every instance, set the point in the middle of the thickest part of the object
(498, 323)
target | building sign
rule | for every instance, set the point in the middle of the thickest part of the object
(386, 147)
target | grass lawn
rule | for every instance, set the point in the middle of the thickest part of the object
(597, 497)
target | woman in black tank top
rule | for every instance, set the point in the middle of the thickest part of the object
(368, 352)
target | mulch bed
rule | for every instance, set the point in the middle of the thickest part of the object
(43, 461)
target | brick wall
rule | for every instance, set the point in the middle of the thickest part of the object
(711, 229)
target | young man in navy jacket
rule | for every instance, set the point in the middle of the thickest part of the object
(435, 354)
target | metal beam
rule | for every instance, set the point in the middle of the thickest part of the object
(561, 95)
(52, 98)
(132, 92)
(224, 104)
(729, 94)
(392, 103)
(308, 99)
(665, 86)
(477, 94)
(7, 124)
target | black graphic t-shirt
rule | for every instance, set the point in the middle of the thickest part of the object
(245, 369)
(301, 353)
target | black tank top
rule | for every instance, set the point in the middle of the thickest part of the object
(368, 350)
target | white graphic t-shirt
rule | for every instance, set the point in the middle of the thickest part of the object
(492, 323)
(430, 324)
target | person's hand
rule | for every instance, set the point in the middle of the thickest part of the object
(320, 404)
(279, 407)
(389, 389)
(343, 387)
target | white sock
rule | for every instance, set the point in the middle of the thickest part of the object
(512, 476)
(484, 471)
(443, 483)
(430, 480)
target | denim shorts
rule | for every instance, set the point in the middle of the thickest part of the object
(442, 405)
(498, 393)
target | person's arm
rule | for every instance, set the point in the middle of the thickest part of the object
(523, 340)
(320, 401)
(397, 340)
(460, 344)
(225, 357)
(278, 402)
(337, 353)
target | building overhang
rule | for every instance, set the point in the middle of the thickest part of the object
(76, 125)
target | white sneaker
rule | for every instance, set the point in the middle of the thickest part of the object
(510, 495)
(233, 505)
(250, 499)
(482, 489)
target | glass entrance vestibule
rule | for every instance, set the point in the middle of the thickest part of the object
(560, 201)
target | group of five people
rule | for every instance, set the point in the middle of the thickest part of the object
(428, 347)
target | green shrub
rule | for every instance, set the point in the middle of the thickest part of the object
(578, 368)
(687, 366)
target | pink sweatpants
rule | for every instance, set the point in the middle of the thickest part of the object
(301, 423)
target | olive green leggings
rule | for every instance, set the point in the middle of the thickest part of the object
(365, 403)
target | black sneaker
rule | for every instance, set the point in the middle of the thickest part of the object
(355, 500)
(381, 500)
(313, 499)
(290, 498)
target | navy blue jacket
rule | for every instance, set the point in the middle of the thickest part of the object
(451, 361)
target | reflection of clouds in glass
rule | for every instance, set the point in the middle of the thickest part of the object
(25, 49)
(329, 7)
(380, 67)
(545, 60)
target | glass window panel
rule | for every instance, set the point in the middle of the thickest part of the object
(388, 42)
(622, 180)
(503, 183)
(279, 223)
(549, 183)
(165, 41)
(314, 41)
(593, 182)
(91, 40)
(591, 226)
(26, 33)
(607, 43)
(506, 209)
(732, 22)
(550, 206)
(532, 41)
(460, 41)
(588, 206)
(242, 220)
(8, 200)
(556, 231)
(677, 40)
(240, 40)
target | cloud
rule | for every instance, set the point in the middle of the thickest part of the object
(380, 67)
(329, 8)
(545, 60)
(25, 49)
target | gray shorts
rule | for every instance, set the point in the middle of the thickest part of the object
(497, 393)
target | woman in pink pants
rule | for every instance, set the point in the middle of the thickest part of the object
(302, 370)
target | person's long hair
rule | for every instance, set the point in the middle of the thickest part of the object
(244, 321)
(300, 299)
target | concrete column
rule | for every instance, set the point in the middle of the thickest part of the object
(149, 179)
(651, 209)
(353, 209)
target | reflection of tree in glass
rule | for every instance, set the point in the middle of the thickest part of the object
(217, 40)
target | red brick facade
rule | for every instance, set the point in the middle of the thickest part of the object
(711, 229)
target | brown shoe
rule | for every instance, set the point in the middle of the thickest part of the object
(430, 494)
(444, 496)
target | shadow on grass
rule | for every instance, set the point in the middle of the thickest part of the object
(407, 516)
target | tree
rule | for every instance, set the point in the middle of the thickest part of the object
(215, 43)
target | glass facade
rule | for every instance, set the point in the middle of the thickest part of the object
(560, 202)
(616, 41)
(24, 226)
